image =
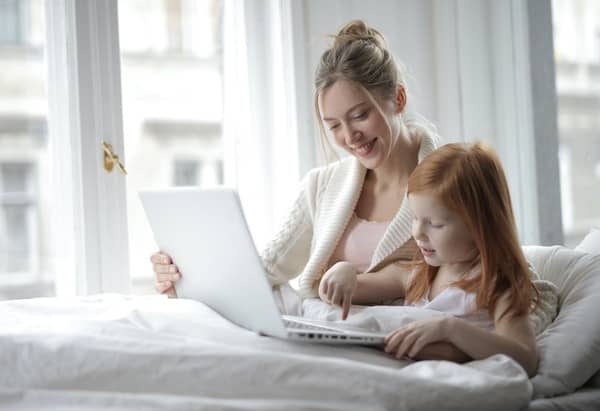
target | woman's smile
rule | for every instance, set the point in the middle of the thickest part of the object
(365, 149)
(427, 252)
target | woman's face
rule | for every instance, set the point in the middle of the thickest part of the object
(357, 125)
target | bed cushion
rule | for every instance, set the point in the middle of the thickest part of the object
(570, 346)
(591, 242)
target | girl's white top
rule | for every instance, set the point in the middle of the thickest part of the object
(459, 303)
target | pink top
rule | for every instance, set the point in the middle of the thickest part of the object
(359, 242)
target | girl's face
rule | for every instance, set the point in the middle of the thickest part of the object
(440, 234)
(357, 125)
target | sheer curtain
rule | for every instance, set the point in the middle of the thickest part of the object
(260, 127)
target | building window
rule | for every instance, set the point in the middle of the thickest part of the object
(26, 260)
(11, 31)
(18, 224)
(220, 172)
(186, 172)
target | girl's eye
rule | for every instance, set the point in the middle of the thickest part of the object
(334, 126)
(436, 225)
(360, 115)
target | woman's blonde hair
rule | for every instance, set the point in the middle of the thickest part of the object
(360, 55)
(469, 180)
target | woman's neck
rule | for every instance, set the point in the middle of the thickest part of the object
(401, 162)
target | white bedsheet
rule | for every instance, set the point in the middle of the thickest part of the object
(117, 352)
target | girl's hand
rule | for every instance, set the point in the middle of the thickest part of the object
(338, 285)
(410, 339)
(165, 274)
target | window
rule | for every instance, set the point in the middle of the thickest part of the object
(11, 22)
(26, 268)
(171, 71)
(186, 172)
(576, 24)
(18, 220)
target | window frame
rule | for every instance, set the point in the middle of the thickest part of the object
(84, 97)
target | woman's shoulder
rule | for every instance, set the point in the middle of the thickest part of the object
(427, 135)
(429, 142)
(338, 169)
(332, 179)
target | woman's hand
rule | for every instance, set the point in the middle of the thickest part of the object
(165, 274)
(338, 285)
(410, 339)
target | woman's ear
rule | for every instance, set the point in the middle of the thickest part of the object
(400, 98)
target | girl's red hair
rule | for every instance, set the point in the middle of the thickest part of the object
(469, 180)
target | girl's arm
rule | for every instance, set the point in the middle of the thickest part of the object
(375, 287)
(513, 336)
(442, 351)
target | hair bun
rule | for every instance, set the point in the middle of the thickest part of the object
(357, 30)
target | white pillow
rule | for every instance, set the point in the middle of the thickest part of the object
(570, 346)
(591, 242)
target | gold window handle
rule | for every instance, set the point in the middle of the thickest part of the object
(111, 159)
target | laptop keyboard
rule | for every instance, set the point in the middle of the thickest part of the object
(324, 334)
(304, 326)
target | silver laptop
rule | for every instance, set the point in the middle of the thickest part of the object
(205, 232)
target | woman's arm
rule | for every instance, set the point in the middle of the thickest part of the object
(342, 285)
(375, 287)
(287, 253)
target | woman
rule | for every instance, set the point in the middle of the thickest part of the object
(351, 216)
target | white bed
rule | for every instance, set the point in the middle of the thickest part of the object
(122, 352)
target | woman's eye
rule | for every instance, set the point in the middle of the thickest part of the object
(333, 127)
(437, 225)
(361, 115)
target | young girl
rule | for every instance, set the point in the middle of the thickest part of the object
(472, 265)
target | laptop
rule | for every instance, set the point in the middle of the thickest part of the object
(206, 234)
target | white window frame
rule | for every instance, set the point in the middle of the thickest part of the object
(84, 93)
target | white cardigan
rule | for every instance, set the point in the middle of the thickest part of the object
(319, 217)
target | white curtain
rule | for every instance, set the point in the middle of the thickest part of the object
(260, 131)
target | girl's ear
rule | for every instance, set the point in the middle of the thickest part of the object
(400, 99)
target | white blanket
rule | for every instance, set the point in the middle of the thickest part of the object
(117, 352)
